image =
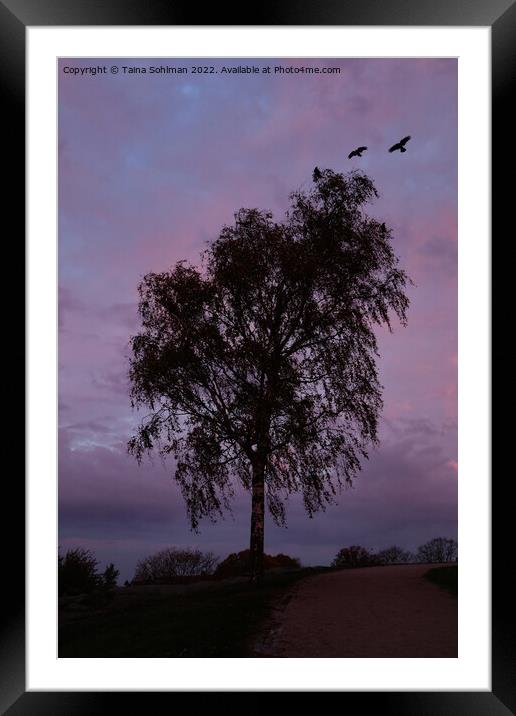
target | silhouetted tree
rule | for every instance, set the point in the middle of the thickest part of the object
(439, 549)
(394, 555)
(169, 563)
(354, 556)
(110, 576)
(77, 572)
(261, 365)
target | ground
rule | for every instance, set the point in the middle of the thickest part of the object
(311, 612)
(204, 619)
(370, 612)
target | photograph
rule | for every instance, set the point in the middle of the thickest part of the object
(257, 357)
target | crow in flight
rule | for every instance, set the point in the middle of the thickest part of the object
(400, 145)
(317, 174)
(356, 152)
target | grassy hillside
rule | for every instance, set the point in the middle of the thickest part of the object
(212, 619)
(445, 577)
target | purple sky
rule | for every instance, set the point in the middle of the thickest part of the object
(150, 168)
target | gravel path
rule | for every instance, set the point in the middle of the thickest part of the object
(371, 612)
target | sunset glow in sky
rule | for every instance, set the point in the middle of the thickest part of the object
(150, 169)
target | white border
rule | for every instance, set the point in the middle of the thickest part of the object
(471, 670)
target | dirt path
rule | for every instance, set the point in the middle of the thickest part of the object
(371, 612)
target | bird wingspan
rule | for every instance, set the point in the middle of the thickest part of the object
(394, 147)
(404, 140)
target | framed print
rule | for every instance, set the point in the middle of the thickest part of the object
(258, 249)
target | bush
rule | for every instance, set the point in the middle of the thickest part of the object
(238, 564)
(283, 561)
(394, 555)
(445, 577)
(77, 572)
(167, 565)
(438, 550)
(354, 556)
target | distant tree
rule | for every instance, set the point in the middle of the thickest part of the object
(110, 576)
(394, 555)
(77, 572)
(438, 550)
(173, 562)
(262, 365)
(239, 563)
(354, 556)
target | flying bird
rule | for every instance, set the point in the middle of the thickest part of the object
(356, 152)
(400, 145)
(317, 174)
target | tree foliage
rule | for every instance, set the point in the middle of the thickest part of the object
(394, 555)
(354, 556)
(260, 365)
(77, 572)
(110, 576)
(438, 550)
(167, 564)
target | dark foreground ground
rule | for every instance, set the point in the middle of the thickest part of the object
(208, 619)
(375, 611)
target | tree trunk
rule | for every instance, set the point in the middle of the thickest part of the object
(257, 523)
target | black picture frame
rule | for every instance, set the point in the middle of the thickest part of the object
(15, 16)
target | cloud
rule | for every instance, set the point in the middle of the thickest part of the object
(406, 493)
